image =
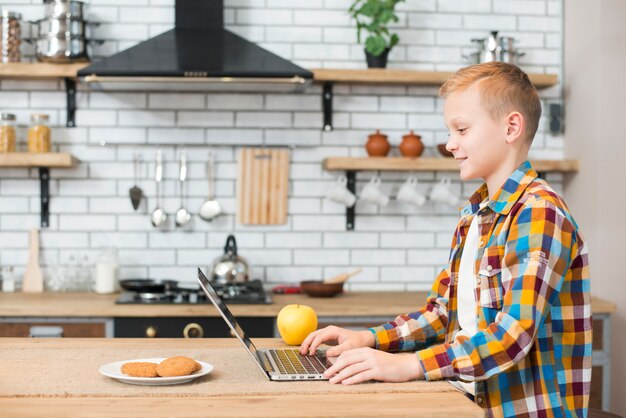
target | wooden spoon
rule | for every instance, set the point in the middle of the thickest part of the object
(341, 278)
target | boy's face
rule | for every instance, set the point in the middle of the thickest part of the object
(476, 140)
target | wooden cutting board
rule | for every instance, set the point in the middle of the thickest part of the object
(262, 186)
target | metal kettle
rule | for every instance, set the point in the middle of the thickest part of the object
(230, 267)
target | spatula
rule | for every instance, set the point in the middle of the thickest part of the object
(136, 194)
(340, 278)
(33, 277)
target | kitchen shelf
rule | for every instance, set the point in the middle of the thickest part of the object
(378, 76)
(43, 161)
(353, 164)
(48, 71)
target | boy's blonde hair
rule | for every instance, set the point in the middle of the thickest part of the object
(503, 88)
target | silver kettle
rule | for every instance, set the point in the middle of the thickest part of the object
(230, 267)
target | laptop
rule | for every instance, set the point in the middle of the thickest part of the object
(276, 363)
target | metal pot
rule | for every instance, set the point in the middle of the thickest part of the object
(64, 8)
(230, 267)
(54, 27)
(495, 48)
(61, 49)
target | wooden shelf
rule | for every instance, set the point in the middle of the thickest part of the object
(39, 70)
(420, 78)
(49, 160)
(428, 164)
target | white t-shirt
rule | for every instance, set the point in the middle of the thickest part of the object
(466, 301)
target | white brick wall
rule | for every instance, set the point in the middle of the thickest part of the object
(399, 247)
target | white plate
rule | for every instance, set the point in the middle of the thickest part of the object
(114, 371)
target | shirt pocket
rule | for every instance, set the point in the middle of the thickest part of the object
(490, 276)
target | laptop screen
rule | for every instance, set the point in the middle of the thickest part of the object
(225, 312)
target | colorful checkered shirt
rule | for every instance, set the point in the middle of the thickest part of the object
(531, 356)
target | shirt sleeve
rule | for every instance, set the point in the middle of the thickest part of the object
(537, 256)
(424, 327)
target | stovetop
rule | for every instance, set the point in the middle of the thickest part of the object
(251, 292)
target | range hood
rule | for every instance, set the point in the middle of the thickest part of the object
(198, 54)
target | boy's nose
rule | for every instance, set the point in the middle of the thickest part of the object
(451, 145)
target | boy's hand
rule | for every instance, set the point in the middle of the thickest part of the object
(363, 364)
(344, 339)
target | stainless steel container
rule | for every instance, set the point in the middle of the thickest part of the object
(230, 267)
(60, 27)
(61, 49)
(64, 8)
(495, 48)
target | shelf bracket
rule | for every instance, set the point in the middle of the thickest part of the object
(70, 94)
(350, 218)
(327, 106)
(44, 183)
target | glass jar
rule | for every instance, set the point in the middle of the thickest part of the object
(10, 36)
(7, 132)
(39, 133)
(107, 268)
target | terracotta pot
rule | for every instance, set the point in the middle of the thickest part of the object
(377, 145)
(411, 145)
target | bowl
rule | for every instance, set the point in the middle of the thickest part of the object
(317, 288)
(443, 151)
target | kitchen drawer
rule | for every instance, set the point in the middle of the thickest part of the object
(189, 327)
(67, 328)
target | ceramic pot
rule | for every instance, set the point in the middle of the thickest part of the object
(411, 145)
(377, 145)
(377, 61)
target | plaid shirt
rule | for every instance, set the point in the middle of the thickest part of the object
(531, 356)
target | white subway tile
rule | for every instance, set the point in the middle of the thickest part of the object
(322, 257)
(407, 240)
(205, 119)
(146, 14)
(292, 102)
(475, 6)
(117, 240)
(490, 22)
(87, 117)
(50, 240)
(294, 275)
(236, 101)
(378, 257)
(350, 239)
(78, 188)
(518, 7)
(150, 257)
(294, 34)
(87, 222)
(176, 135)
(116, 100)
(319, 223)
(12, 240)
(263, 119)
(176, 101)
(13, 204)
(378, 120)
(316, 17)
(408, 274)
(146, 118)
(433, 257)
(177, 240)
(264, 17)
(10, 100)
(293, 240)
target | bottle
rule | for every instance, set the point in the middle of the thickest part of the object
(39, 133)
(8, 279)
(107, 266)
(7, 132)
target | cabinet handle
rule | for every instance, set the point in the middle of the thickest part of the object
(232, 334)
(193, 330)
(151, 332)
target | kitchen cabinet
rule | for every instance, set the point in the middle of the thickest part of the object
(43, 161)
(351, 165)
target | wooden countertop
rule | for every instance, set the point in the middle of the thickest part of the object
(349, 304)
(72, 386)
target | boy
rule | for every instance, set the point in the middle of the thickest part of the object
(508, 321)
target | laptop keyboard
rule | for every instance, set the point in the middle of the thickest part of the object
(290, 361)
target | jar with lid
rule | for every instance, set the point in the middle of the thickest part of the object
(39, 133)
(10, 36)
(107, 266)
(7, 132)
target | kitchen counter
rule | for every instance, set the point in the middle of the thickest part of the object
(348, 304)
(59, 377)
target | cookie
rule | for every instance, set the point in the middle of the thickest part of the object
(177, 366)
(140, 369)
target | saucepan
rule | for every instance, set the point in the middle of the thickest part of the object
(64, 8)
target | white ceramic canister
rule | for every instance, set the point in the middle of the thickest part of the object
(107, 267)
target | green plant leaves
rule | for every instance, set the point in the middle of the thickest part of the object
(373, 16)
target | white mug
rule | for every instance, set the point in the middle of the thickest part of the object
(441, 193)
(339, 193)
(409, 194)
(371, 193)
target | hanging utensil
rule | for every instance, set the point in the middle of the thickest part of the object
(211, 207)
(33, 276)
(182, 215)
(158, 215)
(136, 194)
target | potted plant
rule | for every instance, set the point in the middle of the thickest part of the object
(374, 16)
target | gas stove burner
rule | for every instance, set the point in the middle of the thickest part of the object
(251, 292)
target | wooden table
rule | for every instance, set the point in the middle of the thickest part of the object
(273, 399)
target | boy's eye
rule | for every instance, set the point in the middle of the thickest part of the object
(461, 130)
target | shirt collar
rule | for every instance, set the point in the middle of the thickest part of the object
(504, 199)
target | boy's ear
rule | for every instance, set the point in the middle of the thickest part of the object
(515, 125)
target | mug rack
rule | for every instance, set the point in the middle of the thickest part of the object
(351, 165)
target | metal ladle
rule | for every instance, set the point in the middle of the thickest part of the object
(211, 207)
(158, 214)
(182, 215)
